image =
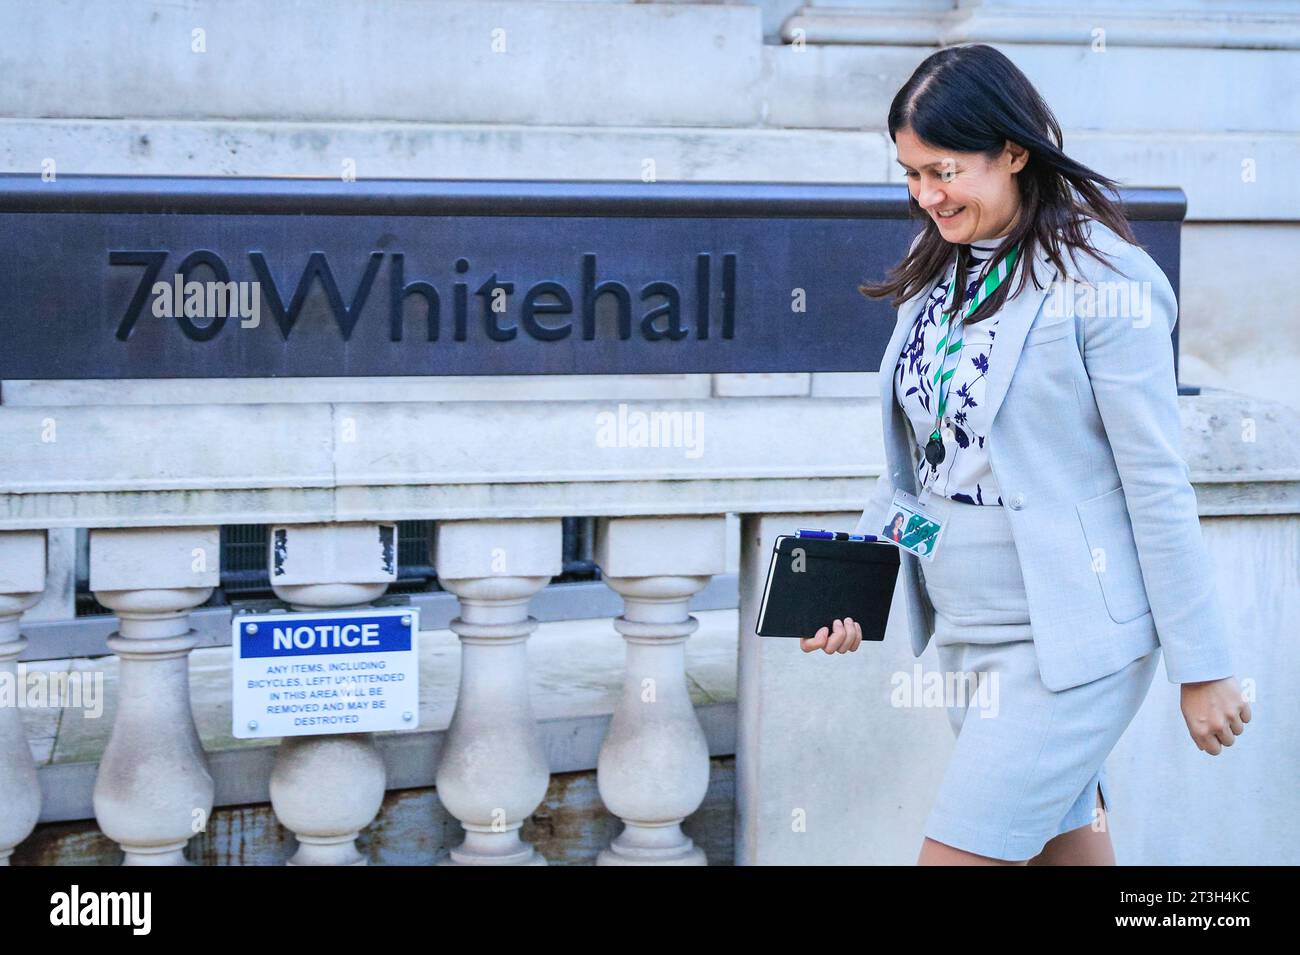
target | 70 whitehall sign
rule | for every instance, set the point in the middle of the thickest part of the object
(539, 307)
(175, 277)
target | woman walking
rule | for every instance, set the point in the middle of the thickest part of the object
(1044, 437)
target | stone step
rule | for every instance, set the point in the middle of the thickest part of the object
(601, 64)
(408, 150)
(1137, 90)
(1228, 176)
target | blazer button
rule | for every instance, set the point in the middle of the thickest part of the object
(1017, 501)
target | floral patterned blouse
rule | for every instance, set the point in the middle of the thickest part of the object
(964, 473)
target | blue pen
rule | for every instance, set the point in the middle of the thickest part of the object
(815, 534)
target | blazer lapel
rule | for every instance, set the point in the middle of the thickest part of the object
(1014, 320)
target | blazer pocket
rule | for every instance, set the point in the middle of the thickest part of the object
(1112, 550)
(1049, 333)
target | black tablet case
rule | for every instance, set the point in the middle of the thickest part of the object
(839, 579)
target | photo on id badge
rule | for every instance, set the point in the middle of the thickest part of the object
(910, 527)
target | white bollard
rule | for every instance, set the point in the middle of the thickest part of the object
(493, 771)
(22, 581)
(326, 789)
(653, 767)
(153, 791)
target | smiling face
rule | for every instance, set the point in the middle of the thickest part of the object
(969, 196)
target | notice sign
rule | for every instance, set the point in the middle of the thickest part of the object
(307, 674)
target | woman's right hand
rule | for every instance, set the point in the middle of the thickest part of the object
(843, 636)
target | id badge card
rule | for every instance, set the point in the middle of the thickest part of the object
(909, 525)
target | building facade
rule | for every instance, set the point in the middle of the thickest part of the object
(98, 526)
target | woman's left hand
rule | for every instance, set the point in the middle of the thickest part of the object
(1215, 712)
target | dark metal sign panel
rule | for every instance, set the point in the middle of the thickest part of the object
(124, 277)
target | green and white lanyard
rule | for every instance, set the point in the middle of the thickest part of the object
(934, 450)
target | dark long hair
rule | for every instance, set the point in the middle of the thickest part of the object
(974, 99)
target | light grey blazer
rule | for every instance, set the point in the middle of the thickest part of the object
(1084, 440)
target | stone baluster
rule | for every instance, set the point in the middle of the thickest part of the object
(153, 791)
(653, 767)
(493, 771)
(326, 789)
(22, 580)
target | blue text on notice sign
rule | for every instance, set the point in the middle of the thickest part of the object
(310, 637)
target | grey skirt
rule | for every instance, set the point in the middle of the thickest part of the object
(1029, 762)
